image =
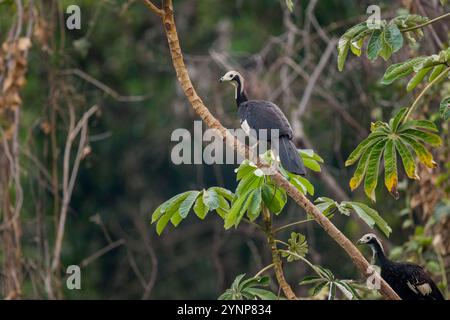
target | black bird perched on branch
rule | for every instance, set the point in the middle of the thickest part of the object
(260, 114)
(410, 281)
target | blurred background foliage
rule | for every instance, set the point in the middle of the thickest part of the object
(119, 61)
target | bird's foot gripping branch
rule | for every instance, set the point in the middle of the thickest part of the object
(278, 185)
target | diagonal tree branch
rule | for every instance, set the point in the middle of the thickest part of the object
(200, 108)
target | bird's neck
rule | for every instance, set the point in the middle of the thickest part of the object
(378, 253)
(240, 94)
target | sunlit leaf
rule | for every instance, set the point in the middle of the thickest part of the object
(373, 167)
(200, 208)
(375, 44)
(422, 153)
(407, 159)
(427, 137)
(371, 217)
(444, 108)
(418, 77)
(390, 168)
(187, 204)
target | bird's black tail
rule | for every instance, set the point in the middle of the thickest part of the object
(289, 157)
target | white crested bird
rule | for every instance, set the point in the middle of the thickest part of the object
(259, 115)
(409, 281)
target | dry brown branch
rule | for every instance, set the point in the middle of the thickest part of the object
(101, 252)
(103, 87)
(69, 175)
(200, 108)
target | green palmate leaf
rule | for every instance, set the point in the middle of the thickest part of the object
(390, 168)
(227, 194)
(371, 217)
(386, 49)
(187, 204)
(418, 77)
(255, 204)
(176, 219)
(312, 164)
(345, 41)
(418, 124)
(360, 171)
(398, 119)
(326, 205)
(363, 146)
(310, 280)
(444, 108)
(211, 199)
(223, 208)
(250, 289)
(432, 139)
(318, 288)
(400, 70)
(407, 159)
(375, 44)
(247, 183)
(373, 165)
(310, 154)
(246, 168)
(174, 201)
(326, 273)
(274, 198)
(262, 294)
(237, 210)
(303, 185)
(357, 42)
(298, 247)
(393, 37)
(422, 153)
(200, 208)
(437, 70)
(347, 293)
(409, 20)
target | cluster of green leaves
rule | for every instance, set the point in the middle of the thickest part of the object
(298, 247)
(326, 279)
(433, 66)
(249, 289)
(256, 188)
(366, 213)
(444, 108)
(385, 140)
(384, 38)
(178, 207)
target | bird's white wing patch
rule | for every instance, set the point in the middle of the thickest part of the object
(424, 288)
(245, 127)
(412, 287)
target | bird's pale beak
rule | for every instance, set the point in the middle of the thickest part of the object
(360, 241)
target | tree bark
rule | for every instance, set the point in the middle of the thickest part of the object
(277, 264)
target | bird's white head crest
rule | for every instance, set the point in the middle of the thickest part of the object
(372, 240)
(235, 78)
(231, 76)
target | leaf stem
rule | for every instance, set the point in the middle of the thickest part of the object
(437, 79)
(426, 23)
(291, 225)
(316, 270)
(260, 272)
